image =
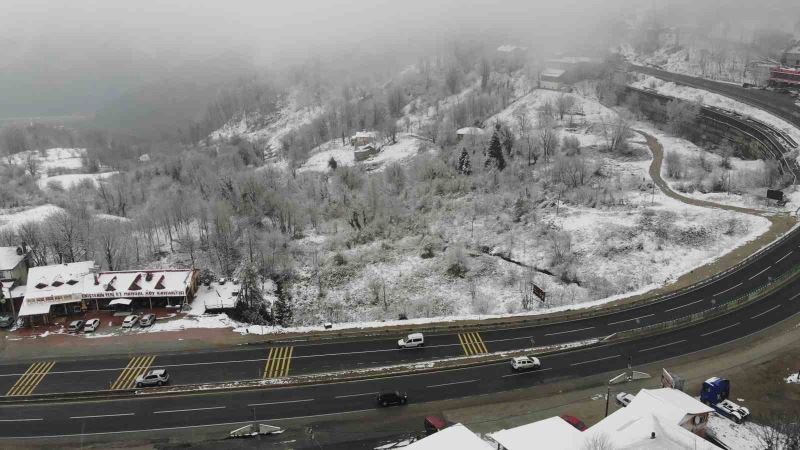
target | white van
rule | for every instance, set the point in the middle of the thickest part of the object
(413, 340)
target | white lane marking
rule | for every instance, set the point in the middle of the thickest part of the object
(794, 296)
(762, 313)
(726, 290)
(759, 273)
(784, 257)
(188, 410)
(102, 415)
(356, 395)
(186, 427)
(450, 384)
(527, 372)
(662, 346)
(630, 320)
(281, 403)
(570, 331)
(717, 331)
(683, 306)
(594, 360)
(19, 420)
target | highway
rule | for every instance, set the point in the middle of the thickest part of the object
(291, 358)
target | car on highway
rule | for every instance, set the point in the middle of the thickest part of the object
(91, 325)
(520, 363)
(390, 398)
(130, 321)
(75, 326)
(6, 321)
(157, 377)
(147, 320)
(413, 340)
(624, 399)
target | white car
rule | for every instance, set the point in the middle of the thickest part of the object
(91, 325)
(525, 363)
(158, 377)
(413, 340)
(130, 321)
(624, 399)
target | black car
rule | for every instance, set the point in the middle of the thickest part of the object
(392, 398)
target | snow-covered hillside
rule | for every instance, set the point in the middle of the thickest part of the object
(405, 148)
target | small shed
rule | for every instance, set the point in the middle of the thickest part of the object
(365, 152)
(551, 79)
(363, 138)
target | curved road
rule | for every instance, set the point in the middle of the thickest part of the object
(130, 415)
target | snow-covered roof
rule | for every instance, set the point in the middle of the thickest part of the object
(677, 399)
(365, 134)
(553, 434)
(142, 283)
(474, 131)
(10, 258)
(54, 285)
(144, 158)
(574, 60)
(218, 296)
(554, 73)
(456, 437)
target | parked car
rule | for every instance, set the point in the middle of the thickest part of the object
(91, 325)
(525, 363)
(147, 320)
(75, 326)
(6, 321)
(130, 321)
(624, 399)
(158, 377)
(392, 398)
(575, 422)
(413, 340)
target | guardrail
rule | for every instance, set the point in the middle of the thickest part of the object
(710, 313)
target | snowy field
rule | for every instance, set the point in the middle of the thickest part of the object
(406, 147)
(70, 180)
(10, 219)
(53, 158)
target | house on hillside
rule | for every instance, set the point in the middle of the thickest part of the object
(551, 79)
(365, 152)
(14, 264)
(363, 138)
(470, 133)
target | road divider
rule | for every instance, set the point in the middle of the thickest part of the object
(136, 367)
(27, 383)
(472, 343)
(278, 362)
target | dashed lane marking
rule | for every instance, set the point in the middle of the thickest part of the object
(630, 320)
(717, 331)
(278, 362)
(103, 415)
(472, 343)
(594, 360)
(762, 313)
(26, 383)
(726, 290)
(759, 273)
(282, 403)
(136, 367)
(451, 384)
(662, 346)
(570, 331)
(527, 372)
(169, 411)
(783, 257)
(684, 306)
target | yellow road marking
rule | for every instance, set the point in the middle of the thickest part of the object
(136, 367)
(472, 343)
(278, 362)
(26, 384)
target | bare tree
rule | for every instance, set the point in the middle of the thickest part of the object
(564, 103)
(32, 164)
(548, 138)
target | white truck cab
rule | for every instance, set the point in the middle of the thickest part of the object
(413, 340)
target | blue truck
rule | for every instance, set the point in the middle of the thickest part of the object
(715, 394)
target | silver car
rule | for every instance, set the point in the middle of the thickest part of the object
(158, 377)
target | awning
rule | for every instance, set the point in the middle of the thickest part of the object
(120, 301)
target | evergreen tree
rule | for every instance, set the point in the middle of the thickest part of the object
(495, 153)
(332, 164)
(464, 165)
(282, 309)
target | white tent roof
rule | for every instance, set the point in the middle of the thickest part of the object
(120, 301)
(456, 437)
(553, 73)
(553, 434)
(54, 285)
(470, 131)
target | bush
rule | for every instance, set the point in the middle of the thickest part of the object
(339, 259)
(456, 264)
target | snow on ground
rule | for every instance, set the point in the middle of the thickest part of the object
(793, 378)
(720, 101)
(405, 148)
(251, 126)
(10, 219)
(52, 158)
(694, 62)
(743, 436)
(71, 180)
